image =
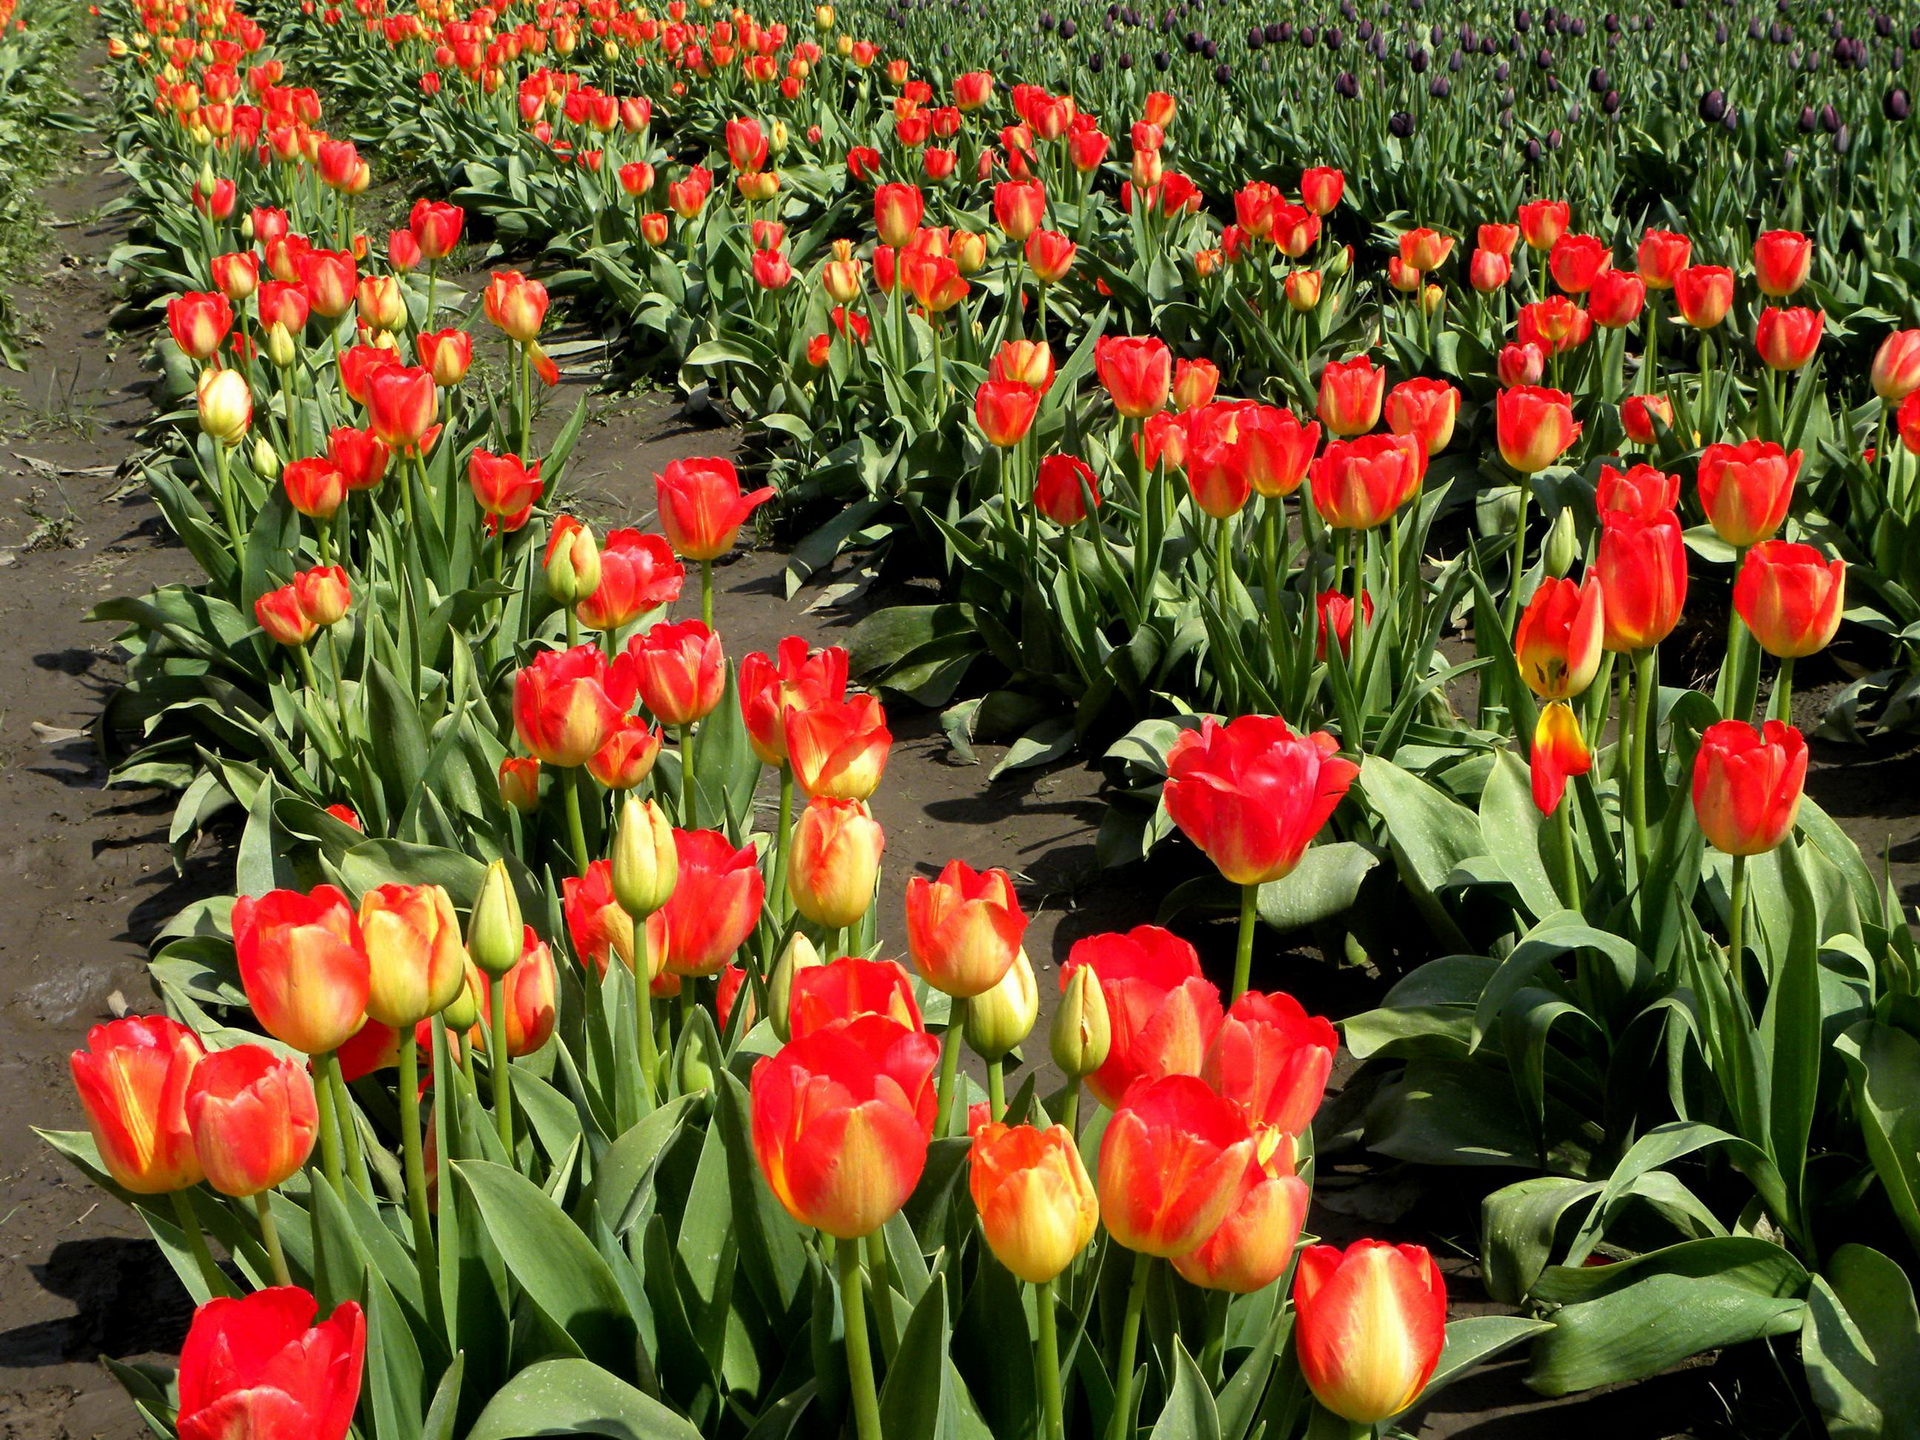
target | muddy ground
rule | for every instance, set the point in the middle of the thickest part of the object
(87, 878)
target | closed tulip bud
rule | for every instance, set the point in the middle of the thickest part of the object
(254, 1119)
(323, 594)
(1303, 290)
(1662, 256)
(1520, 365)
(1542, 222)
(380, 303)
(1791, 597)
(1082, 1031)
(798, 955)
(1642, 566)
(1000, 1018)
(283, 618)
(1747, 785)
(1786, 339)
(968, 250)
(464, 1013)
(1704, 294)
(572, 564)
(1781, 260)
(1616, 299)
(1637, 414)
(1172, 1162)
(1563, 544)
(133, 1080)
(265, 460)
(519, 781)
(1351, 394)
(1489, 271)
(834, 862)
(280, 346)
(494, 928)
(225, 405)
(964, 928)
(645, 858)
(1137, 372)
(1004, 411)
(1369, 1325)
(416, 961)
(1037, 1206)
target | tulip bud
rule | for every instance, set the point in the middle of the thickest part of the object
(1432, 299)
(225, 405)
(463, 1013)
(266, 463)
(1561, 544)
(646, 864)
(280, 347)
(1003, 1017)
(1082, 1029)
(207, 178)
(573, 564)
(494, 932)
(799, 955)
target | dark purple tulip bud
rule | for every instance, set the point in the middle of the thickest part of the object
(1046, 20)
(1256, 37)
(1068, 29)
(1829, 119)
(1532, 151)
(1363, 32)
(1713, 106)
(1307, 36)
(1896, 106)
(1506, 120)
(1161, 60)
(1276, 34)
(1346, 11)
(1610, 102)
(1417, 61)
(1487, 46)
(1544, 59)
(1554, 139)
(1345, 86)
(1436, 37)
(1808, 120)
(1610, 23)
(1097, 61)
(1333, 38)
(1913, 38)
(1124, 60)
(1439, 87)
(1731, 124)
(1523, 22)
(1502, 72)
(1209, 50)
(1597, 79)
(1400, 123)
(1574, 112)
(1456, 62)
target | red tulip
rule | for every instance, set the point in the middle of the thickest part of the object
(1791, 597)
(1194, 383)
(329, 278)
(1037, 1207)
(254, 1118)
(1272, 1059)
(1296, 229)
(313, 487)
(1497, 239)
(1781, 260)
(597, 926)
(1351, 393)
(236, 276)
(1746, 489)
(446, 354)
(1335, 613)
(897, 210)
(1642, 567)
(1162, 1011)
(1907, 420)
(1137, 371)
(1637, 414)
(359, 364)
(359, 456)
(1747, 784)
(1576, 261)
(1252, 794)
(505, 487)
(1253, 1245)
(133, 1079)
(1050, 256)
(1063, 489)
(566, 702)
(516, 305)
(303, 965)
(838, 747)
(1425, 409)
(1358, 484)
(1172, 1163)
(1488, 271)
(258, 1368)
(530, 989)
(1643, 490)
(1557, 640)
(1704, 294)
(1369, 1325)
(714, 907)
(1616, 299)
(1004, 412)
(771, 269)
(1216, 471)
(1521, 364)
(1019, 208)
(1896, 366)
(436, 226)
(627, 755)
(771, 689)
(1543, 222)
(199, 322)
(284, 619)
(847, 988)
(401, 403)
(681, 670)
(1559, 751)
(638, 573)
(964, 928)
(702, 507)
(1662, 256)
(841, 1123)
(323, 593)
(1321, 188)
(1787, 338)
(1535, 426)
(1275, 449)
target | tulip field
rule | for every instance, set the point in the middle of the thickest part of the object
(1441, 461)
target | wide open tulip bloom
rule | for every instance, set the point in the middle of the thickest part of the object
(638, 573)
(1172, 1162)
(1351, 394)
(1557, 639)
(964, 928)
(1746, 489)
(1663, 254)
(566, 702)
(1642, 568)
(847, 988)
(714, 906)
(1786, 339)
(834, 861)
(401, 404)
(1535, 426)
(1896, 366)
(416, 959)
(838, 747)
(1253, 1246)
(1369, 1325)
(254, 1118)
(1037, 1205)
(1559, 751)
(1747, 784)
(1252, 794)
(1781, 260)
(1704, 294)
(841, 1123)
(133, 1079)
(303, 964)
(1791, 597)
(1272, 1059)
(1358, 484)
(1137, 371)
(681, 670)
(702, 507)
(795, 678)
(1425, 409)
(258, 1368)
(1162, 1013)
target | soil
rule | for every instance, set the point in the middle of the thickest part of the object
(90, 879)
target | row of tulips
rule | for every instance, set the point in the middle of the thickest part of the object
(686, 1149)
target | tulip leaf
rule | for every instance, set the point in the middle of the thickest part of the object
(1429, 833)
(1189, 1413)
(1475, 1340)
(1511, 826)
(1883, 1074)
(1325, 884)
(1790, 1029)
(924, 1397)
(1861, 1345)
(1519, 1224)
(554, 1262)
(576, 1397)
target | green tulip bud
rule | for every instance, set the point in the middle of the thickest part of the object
(1562, 544)
(799, 955)
(495, 931)
(464, 1012)
(266, 463)
(1002, 1017)
(573, 562)
(1082, 1028)
(646, 864)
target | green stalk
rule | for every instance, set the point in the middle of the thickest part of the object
(497, 1059)
(1122, 1425)
(349, 1132)
(643, 1007)
(1782, 706)
(414, 1158)
(853, 1302)
(1051, 1409)
(1070, 1109)
(706, 593)
(949, 1064)
(228, 505)
(214, 1278)
(1223, 566)
(1243, 952)
(996, 1089)
(576, 829)
(1643, 684)
(1569, 867)
(1737, 924)
(782, 837)
(329, 1130)
(688, 790)
(270, 1237)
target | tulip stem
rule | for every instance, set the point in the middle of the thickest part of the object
(688, 790)
(576, 830)
(866, 1399)
(1122, 1425)
(497, 1058)
(781, 837)
(643, 1007)
(1643, 684)
(1070, 1109)
(1569, 867)
(1243, 951)
(997, 1089)
(949, 1063)
(329, 1131)
(270, 1237)
(414, 1158)
(706, 593)
(210, 1273)
(356, 1162)
(1737, 924)
(1781, 708)
(1056, 1426)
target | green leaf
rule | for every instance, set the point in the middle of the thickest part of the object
(1510, 826)
(1474, 1341)
(554, 1262)
(1883, 1072)
(1861, 1345)
(1323, 885)
(1430, 836)
(576, 1397)
(1190, 1413)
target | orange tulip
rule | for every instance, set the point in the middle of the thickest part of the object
(771, 688)
(1781, 260)
(1252, 794)
(254, 1118)
(715, 904)
(283, 618)
(1542, 222)
(416, 961)
(846, 989)
(702, 507)
(314, 487)
(1557, 639)
(1351, 393)
(199, 322)
(681, 670)
(1137, 371)
(597, 926)
(626, 756)
(1637, 414)
(638, 573)
(303, 964)
(1369, 1325)
(1642, 490)
(1275, 449)
(566, 702)
(324, 594)
(1576, 261)
(1162, 1013)
(964, 928)
(1037, 1206)
(1252, 1247)
(1791, 597)
(1704, 294)
(516, 305)
(1272, 1059)
(401, 404)
(1535, 426)
(133, 1079)
(1172, 1162)
(834, 861)
(1425, 409)
(1004, 412)
(1661, 257)
(1896, 366)
(1747, 785)
(838, 748)
(1746, 489)
(1559, 751)
(1642, 567)
(1358, 484)
(1786, 339)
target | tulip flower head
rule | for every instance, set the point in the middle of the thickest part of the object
(1557, 639)
(1358, 484)
(566, 702)
(1172, 1162)
(1535, 426)
(303, 964)
(1162, 1013)
(680, 669)
(771, 688)
(254, 1118)
(834, 861)
(1747, 784)
(258, 1366)
(1746, 489)
(1559, 751)
(1137, 372)
(133, 1078)
(1369, 1325)
(964, 928)
(1781, 260)
(838, 747)
(1791, 597)
(702, 506)
(1351, 394)
(716, 900)
(1037, 1206)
